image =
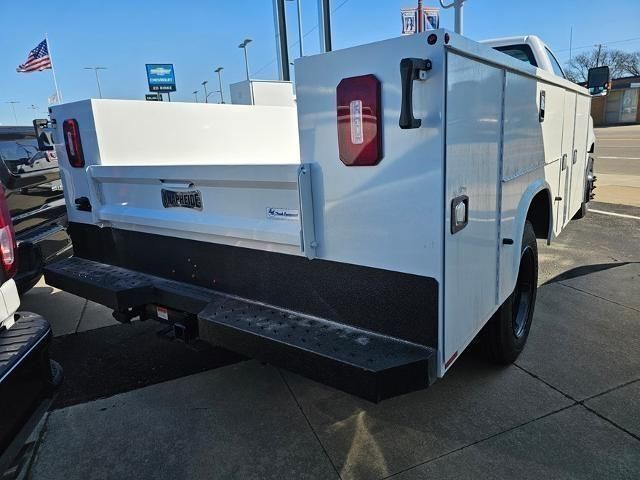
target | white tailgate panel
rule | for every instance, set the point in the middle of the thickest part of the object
(235, 202)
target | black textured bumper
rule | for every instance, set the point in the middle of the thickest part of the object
(362, 362)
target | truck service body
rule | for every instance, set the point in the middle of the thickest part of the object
(363, 238)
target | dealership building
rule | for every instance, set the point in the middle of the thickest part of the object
(621, 105)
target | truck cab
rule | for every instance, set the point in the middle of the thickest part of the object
(532, 50)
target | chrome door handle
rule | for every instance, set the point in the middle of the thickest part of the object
(575, 157)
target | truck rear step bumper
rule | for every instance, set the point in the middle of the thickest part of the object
(361, 362)
(27, 382)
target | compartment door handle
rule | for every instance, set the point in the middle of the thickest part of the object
(410, 70)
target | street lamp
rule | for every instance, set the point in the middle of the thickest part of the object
(195, 94)
(243, 45)
(299, 11)
(95, 69)
(204, 85)
(219, 72)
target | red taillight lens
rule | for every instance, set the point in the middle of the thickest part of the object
(359, 121)
(72, 142)
(7, 238)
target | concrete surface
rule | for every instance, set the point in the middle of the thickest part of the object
(568, 408)
(571, 444)
(67, 313)
(617, 164)
(620, 406)
(235, 422)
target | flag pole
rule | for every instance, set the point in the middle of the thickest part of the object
(53, 69)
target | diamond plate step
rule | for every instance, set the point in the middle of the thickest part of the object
(364, 363)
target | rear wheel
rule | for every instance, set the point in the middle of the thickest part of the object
(508, 329)
(589, 187)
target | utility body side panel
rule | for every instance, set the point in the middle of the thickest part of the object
(388, 215)
(473, 141)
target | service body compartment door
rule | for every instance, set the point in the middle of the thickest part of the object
(564, 187)
(473, 130)
(579, 156)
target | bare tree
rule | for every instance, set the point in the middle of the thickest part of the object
(621, 63)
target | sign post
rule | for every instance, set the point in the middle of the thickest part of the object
(161, 78)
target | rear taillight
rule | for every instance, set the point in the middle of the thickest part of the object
(359, 121)
(72, 142)
(7, 238)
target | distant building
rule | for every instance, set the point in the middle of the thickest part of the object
(621, 105)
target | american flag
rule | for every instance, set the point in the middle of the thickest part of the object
(37, 60)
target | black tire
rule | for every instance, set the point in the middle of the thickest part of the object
(589, 186)
(508, 329)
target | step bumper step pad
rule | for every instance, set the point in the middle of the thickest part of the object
(364, 363)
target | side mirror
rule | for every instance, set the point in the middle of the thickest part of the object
(598, 80)
(43, 134)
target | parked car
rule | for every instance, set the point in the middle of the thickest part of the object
(34, 195)
(28, 378)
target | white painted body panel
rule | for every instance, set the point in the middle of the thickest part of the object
(480, 136)
(9, 303)
(387, 216)
(235, 202)
(262, 92)
(474, 119)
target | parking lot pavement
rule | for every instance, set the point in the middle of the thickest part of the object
(617, 164)
(568, 408)
(67, 313)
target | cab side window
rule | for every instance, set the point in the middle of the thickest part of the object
(557, 69)
(521, 52)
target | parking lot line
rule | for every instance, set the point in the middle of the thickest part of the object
(614, 214)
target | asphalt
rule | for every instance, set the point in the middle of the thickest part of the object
(617, 164)
(137, 405)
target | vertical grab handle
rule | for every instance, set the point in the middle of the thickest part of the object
(410, 69)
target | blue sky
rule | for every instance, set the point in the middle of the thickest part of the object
(198, 35)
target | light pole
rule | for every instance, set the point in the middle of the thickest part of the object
(219, 72)
(299, 11)
(95, 69)
(204, 85)
(13, 108)
(195, 94)
(457, 6)
(243, 45)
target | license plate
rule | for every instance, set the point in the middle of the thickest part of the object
(182, 199)
(162, 313)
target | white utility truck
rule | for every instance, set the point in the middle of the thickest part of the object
(362, 238)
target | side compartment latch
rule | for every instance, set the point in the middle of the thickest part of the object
(459, 213)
